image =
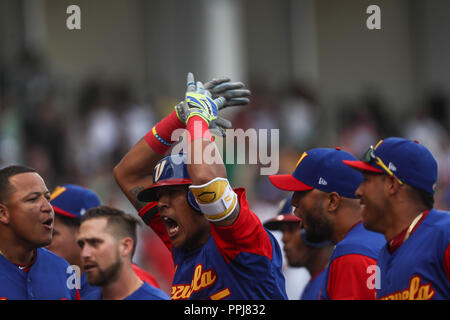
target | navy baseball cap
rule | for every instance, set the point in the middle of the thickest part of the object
(407, 160)
(73, 201)
(169, 171)
(322, 169)
(284, 214)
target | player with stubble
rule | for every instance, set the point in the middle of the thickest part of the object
(107, 238)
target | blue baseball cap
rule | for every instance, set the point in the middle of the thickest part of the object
(322, 169)
(73, 201)
(408, 160)
(284, 214)
(169, 171)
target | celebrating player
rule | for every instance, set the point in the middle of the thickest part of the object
(219, 246)
(400, 178)
(107, 239)
(69, 203)
(324, 198)
(27, 270)
(299, 251)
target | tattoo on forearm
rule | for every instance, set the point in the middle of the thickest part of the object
(134, 192)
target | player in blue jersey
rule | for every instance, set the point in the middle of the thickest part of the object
(219, 246)
(107, 238)
(300, 252)
(400, 178)
(324, 198)
(69, 203)
(27, 270)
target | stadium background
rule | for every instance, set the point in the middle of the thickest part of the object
(72, 102)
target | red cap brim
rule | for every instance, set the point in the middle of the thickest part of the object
(275, 223)
(289, 183)
(63, 212)
(361, 165)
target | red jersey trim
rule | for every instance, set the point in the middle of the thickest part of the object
(347, 278)
(145, 276)
(398, 240)
(26, 267)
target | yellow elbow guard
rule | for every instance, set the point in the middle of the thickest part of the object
(216, 199)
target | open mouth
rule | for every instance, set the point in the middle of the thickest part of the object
(48, 224)
(362, 204)
(89, 266)
(171, 225)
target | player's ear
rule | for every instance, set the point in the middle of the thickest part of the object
(126, 246)
(392, 185)
(4, 214)
(334, 201)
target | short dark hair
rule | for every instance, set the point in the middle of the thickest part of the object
(123, 224)
(426, 198)
(6, 189)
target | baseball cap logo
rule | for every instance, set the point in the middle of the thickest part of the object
(301, 159)
(159, 168)
(392, 167)
(322, 181)
(57, 192)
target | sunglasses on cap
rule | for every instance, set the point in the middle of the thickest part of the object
(370, 156)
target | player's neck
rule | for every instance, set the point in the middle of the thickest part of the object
(15, 253)
(346, 221)
(402, 219)
(127, 283)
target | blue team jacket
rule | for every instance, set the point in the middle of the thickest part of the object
(416, 269)
(48, 279)
(358, 240)
(312, 288)
(241, 261)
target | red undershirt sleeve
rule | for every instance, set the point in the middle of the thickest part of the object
(347, 279)
(246, 234)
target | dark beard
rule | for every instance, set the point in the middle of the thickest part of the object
(108, 275)
(318, 230)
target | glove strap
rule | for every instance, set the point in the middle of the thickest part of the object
(159, 138)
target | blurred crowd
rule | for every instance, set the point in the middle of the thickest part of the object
(80, 141)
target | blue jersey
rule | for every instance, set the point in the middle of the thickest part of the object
(418, 269)
(346, 273)
(242, 261)
(147, 292)
(144, 292)
(88, 292)
(312, 288)
(49, 278)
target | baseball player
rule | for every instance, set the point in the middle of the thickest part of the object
(27, 270)
(107, 239)
(324, 198)
(299, 251)
(396, 196)
(219, 246)
(69, 203)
